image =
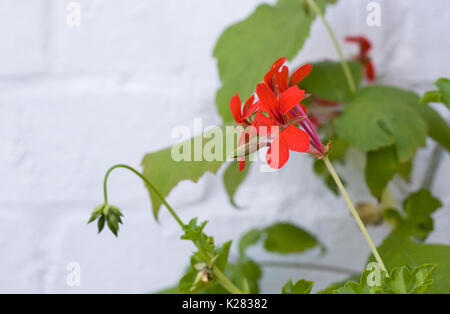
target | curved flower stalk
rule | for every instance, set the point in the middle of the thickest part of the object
(281, 120)
(106, 213)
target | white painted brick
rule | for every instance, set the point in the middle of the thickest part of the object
(116, 86)
(165, 39)
(23, 37)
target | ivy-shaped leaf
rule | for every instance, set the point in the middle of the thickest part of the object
(441, 95)
(300, 287)
(246, 50)
(380, 117)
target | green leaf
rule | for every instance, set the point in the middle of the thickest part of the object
(246, 50)
(233, 178)
(417, 220)
(438, 128)
(441, 95)
(222, 256)
(402, 280)
(300, 287)
(285, 238)
(249, 239)
(402, 248)
(165, 170)
(245, 273)
(382, 116)
(381, 166)
(327, 80)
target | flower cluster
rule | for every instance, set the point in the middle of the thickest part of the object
(276, 118)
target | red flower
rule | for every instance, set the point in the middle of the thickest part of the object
(364, 47)
(279, 81)
(286, 136)
(241, 114)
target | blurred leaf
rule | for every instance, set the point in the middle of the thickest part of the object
(382, 116)
(233, 178)
(402, 248)
(286, 238)
(249, 239)
(283, 238)
(300, 287)
(441, 95)
(437, 127)
(417, 220)
(327, 80)
(164, 172)
(381, 166)
(246, 50)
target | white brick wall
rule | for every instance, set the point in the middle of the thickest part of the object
(74, 101)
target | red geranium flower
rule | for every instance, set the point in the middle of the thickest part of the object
(241, 115)
(287, 136)
(279, 81)
(364, 48)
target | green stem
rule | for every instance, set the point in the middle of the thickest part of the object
(430, 174)
(346, 68)
(354, 213)
(223, 280)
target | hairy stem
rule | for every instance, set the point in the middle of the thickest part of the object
(354, 213)
(223, 280)
(345, 67)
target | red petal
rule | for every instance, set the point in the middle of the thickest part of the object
(364, 43)
(268, 100)
(369, 70)
(300, 74)
(278, 153)
(241, 164)
(282, 79)
(235, 107)
(290, 98)
(263, 124)
(296, 139)
(249, 107)
(268, 78)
